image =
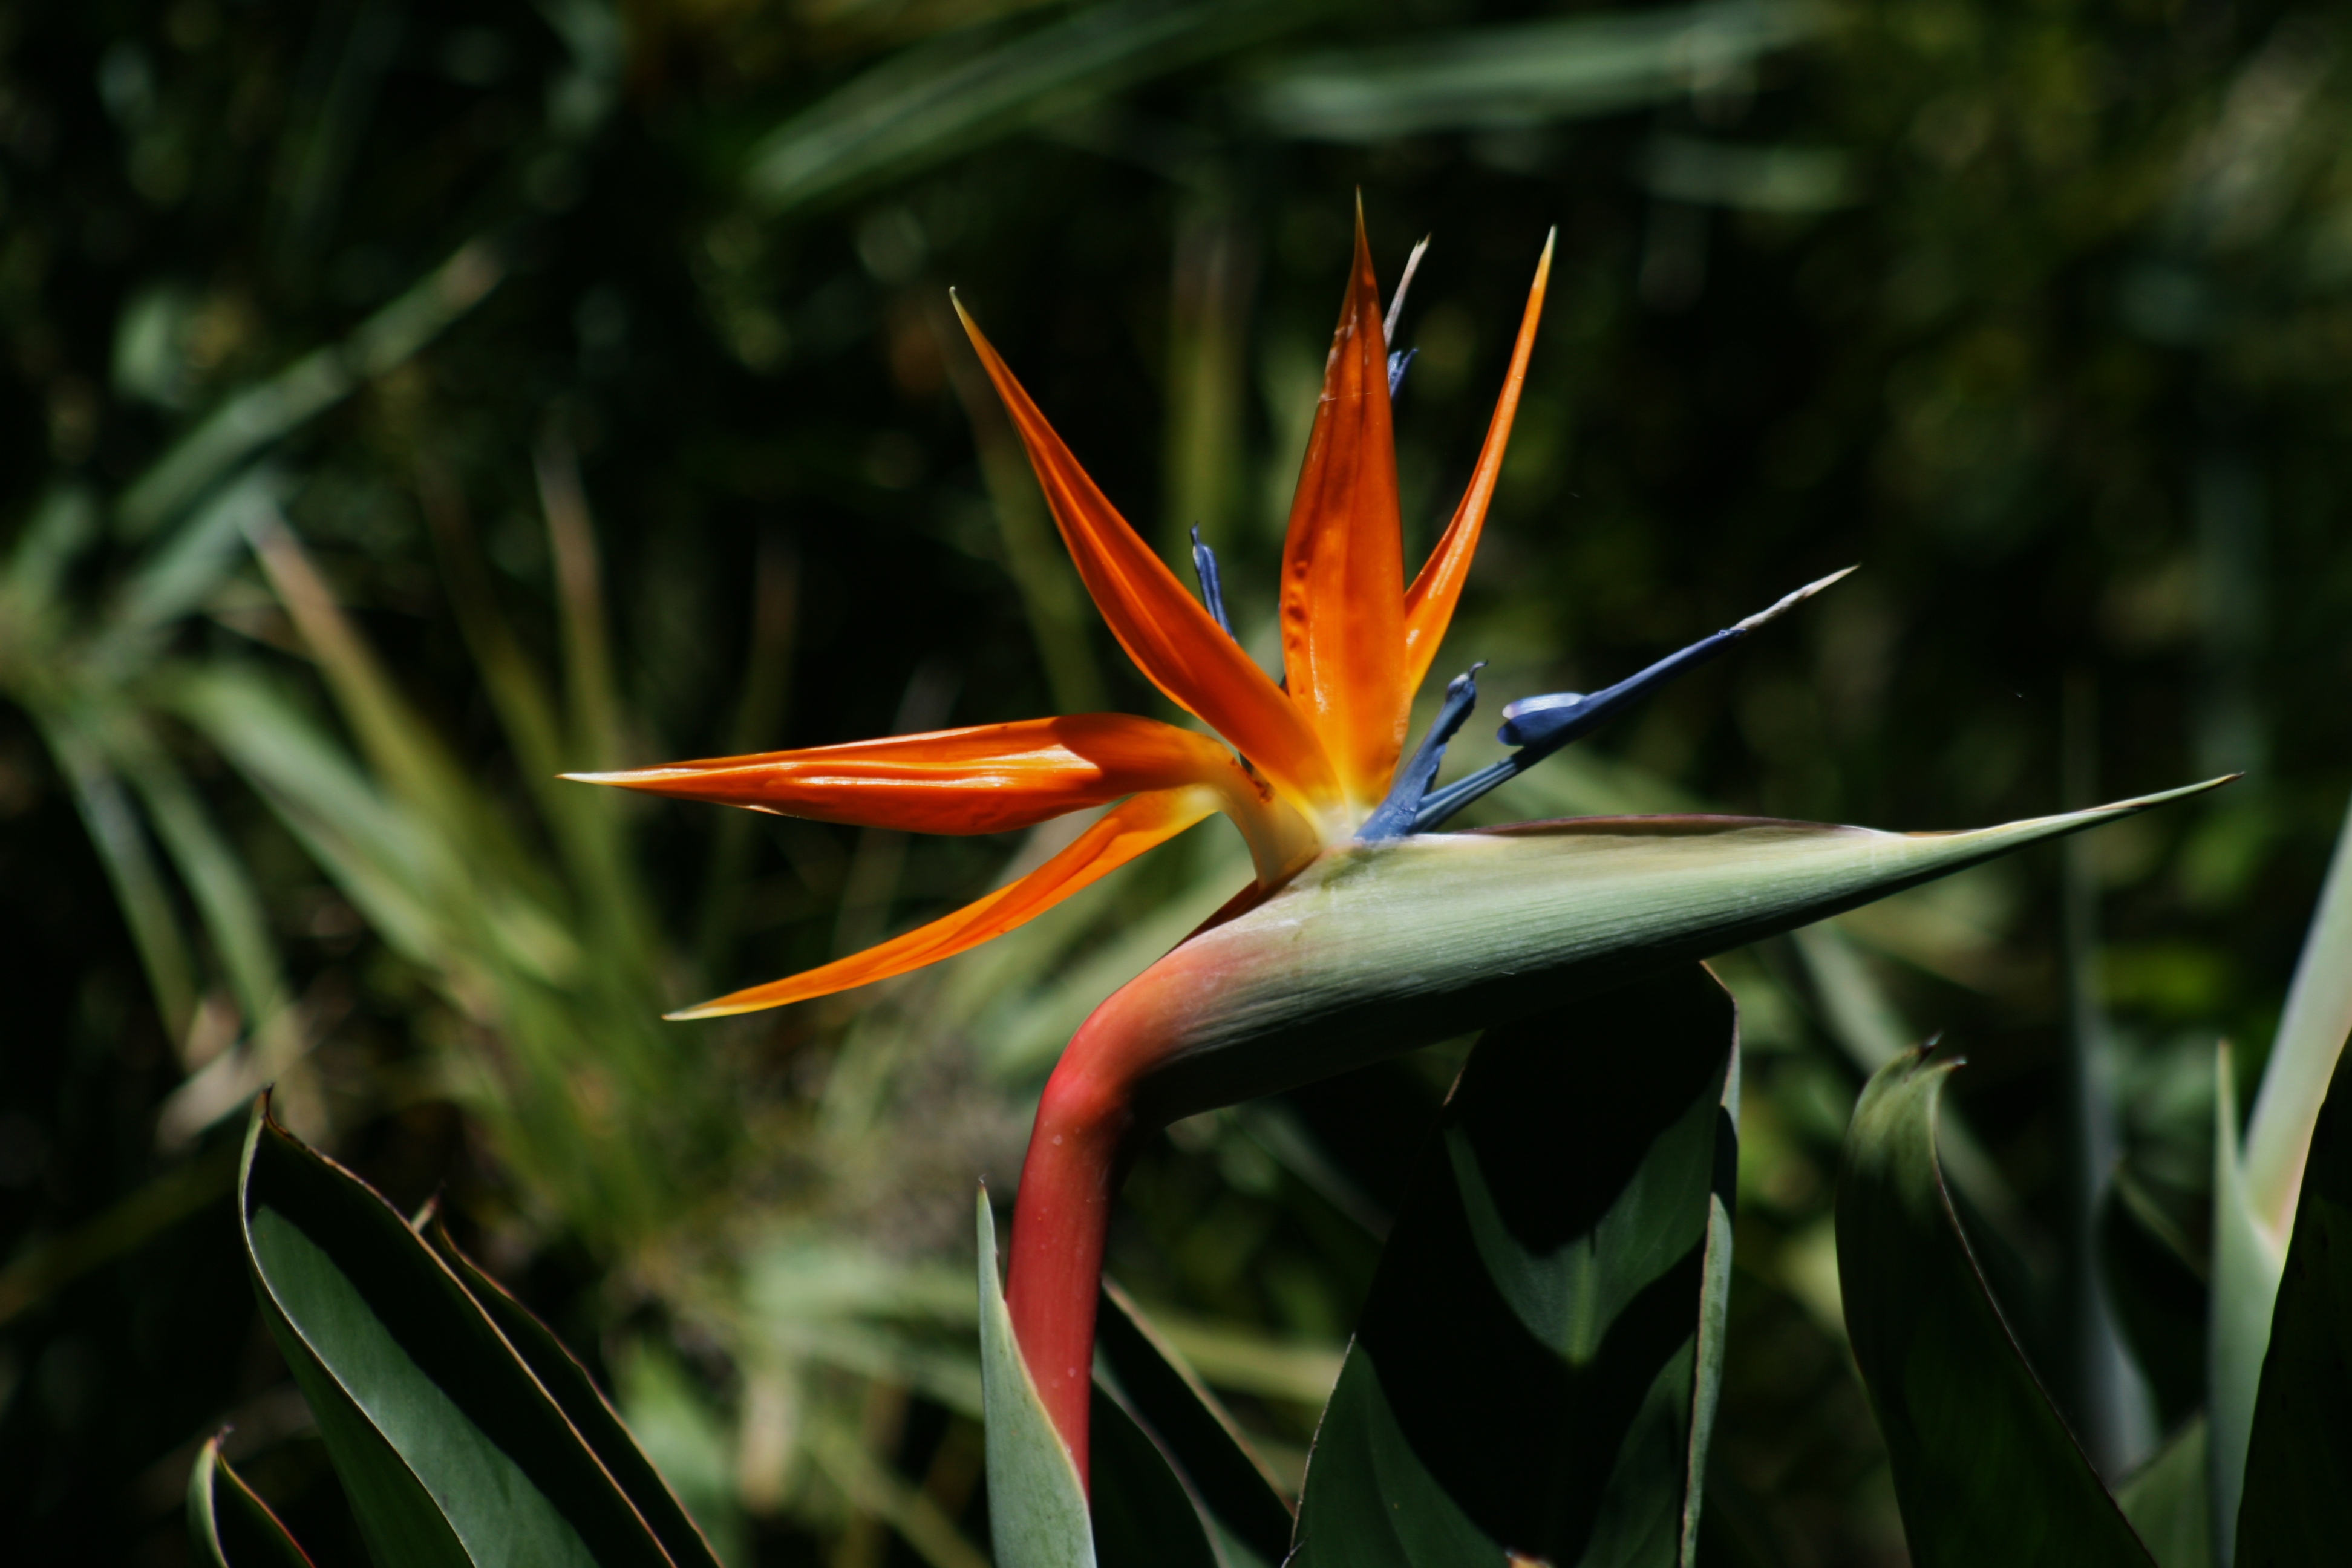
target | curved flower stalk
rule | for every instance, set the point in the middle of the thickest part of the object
(1364, 931)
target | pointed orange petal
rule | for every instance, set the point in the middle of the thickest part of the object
(1122, 834)
(1343, 560)
(989, 778)
(1429, 603)
(1164, 630)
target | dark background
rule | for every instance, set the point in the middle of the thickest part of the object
(2042, 312)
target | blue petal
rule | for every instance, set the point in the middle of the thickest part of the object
(1397, 364)
(1213, 593)
(1397, 816)
(1539, 726)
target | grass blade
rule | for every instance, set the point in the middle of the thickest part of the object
(260, 415)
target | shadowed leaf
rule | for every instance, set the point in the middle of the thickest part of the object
(1142, 1382)
(1984, 1470)
(1535, 1370)
(1144, 1516)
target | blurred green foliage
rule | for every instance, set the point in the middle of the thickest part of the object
(403, 402)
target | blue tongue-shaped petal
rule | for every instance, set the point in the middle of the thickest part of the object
(1396, 815)
(1212, 588)
(1539, 726)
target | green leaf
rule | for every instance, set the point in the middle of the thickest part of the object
(2168, 1501)
(228, 1526)
(1984, 1470)
(1536, 1368)
(1378, 948)
(123, 849)
(1036, 1505)
(2311, 1033)
(1230, 1485)
(582, 1403)
(450, 1450)
(2247, 1262)
(2297, 1506)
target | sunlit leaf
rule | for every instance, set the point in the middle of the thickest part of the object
(2312, 1025)
(1985, 1469)
(1535, 1372)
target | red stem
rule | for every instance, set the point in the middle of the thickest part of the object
(1078, 1154)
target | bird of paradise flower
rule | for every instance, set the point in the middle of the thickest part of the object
(1311, 764)
(1363, 932)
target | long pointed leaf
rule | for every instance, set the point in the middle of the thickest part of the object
(2311, 1035)
(1526, 74)
(450, 1449)
(1535, 1370)
(1984, 1470)
(216, 877)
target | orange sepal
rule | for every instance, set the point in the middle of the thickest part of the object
(1175, 642)
(1429, 603)
(987, 778)
(1123, 832)
(1343, 558)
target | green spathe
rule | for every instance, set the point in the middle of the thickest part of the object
(1378, 948)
